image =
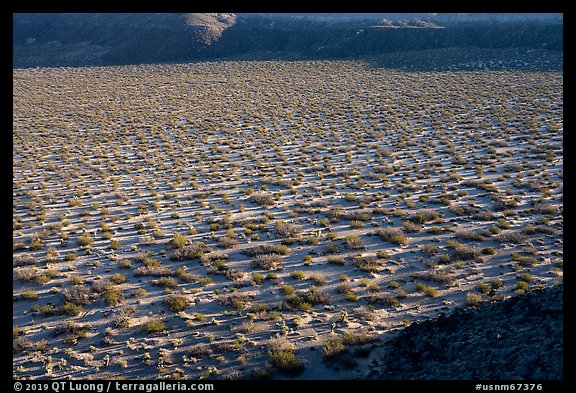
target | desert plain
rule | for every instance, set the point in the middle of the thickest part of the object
(271, 219)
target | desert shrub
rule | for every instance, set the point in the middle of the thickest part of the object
(429, 249)
(139, 292)
(318, 280)
(190, 251)
(152, 271)
(29, 294)
(524, 260)
(166, 282)
(178, 241)
(76, 329)
(227, 242)
(393, 235)
(522, 285)
(286, 229)
(85, 239)
(257, 278)
(125, 264)
(336, 259)
(473, 299)
(483, 287)
(410, 227)
(78, 295)
(369, 264)
(267, 261)
(488, 250)
(356, 224)
(25, 274)
(513, 237)
(283, 356)
(70, 308)
(113, 298)
(496, 283)
(332, 249)
(118, 278)
(333, 347)
(435, 230)
(331, 236)
(354, 242)
(383, 299)
(176, 303)
(200, 351)
(237, 301)
(436, 276)
(262, 198)
(114, 244)
(346, 290)
(287, 289)
(24, 259)
(527, 277)
(298, 274)
(423, 216)
(267, 249)
(154, 325)
(463, 252)
(469, 235)
(236, 275)
(427, 290)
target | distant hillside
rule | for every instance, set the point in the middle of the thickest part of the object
(99, 39)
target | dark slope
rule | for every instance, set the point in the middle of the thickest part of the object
(100, 39)
(519, 338)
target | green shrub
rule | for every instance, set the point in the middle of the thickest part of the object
(523, 285)
(298, 274)
(71, 309)
(427, 290)
(473, 299)
(85, 239)
(177, 303)
(286, 362)
(154, 325)
(393, 235)
(118, 278)
(29, 294)
(488, 251)
(524, 260)
(113, 298)
(354, 242)
(178, 241)
(166, 282)
(333, 347)
(496, 283)
(336, 259)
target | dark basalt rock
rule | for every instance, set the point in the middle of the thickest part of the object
(520, 338)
